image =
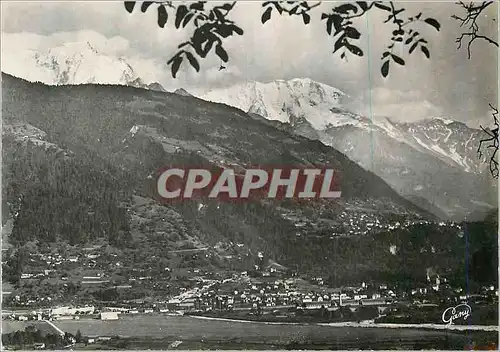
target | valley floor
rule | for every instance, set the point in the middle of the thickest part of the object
(161, 332)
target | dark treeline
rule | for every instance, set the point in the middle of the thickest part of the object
(31, 335)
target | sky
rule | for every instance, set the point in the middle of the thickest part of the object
(446, 85)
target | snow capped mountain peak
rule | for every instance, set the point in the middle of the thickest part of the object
(283, 100)
(69, 63)
(318, 111)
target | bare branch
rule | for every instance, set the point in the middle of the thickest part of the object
(493, 144)
(315, 5)
(472, 13)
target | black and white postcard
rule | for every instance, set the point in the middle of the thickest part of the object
(249, 175)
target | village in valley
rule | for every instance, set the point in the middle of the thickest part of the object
(270, 292)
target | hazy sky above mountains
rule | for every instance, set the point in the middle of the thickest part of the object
(449, 84)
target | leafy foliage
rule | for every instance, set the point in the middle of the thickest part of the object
(31, 335)
(289, 7)
(340, 23)
(212, 26)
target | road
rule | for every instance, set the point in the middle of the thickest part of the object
(54, 326)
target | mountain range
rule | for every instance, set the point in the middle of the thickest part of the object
(434, 162)
(73, 63)
(79, 165)
(102, 146)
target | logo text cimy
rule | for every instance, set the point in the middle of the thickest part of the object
(462, 311)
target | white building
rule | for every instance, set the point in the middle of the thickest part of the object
(72, 310)
(109, 316)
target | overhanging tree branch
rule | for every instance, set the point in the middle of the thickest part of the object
(472, 13)
(211, 26)
(492, 143)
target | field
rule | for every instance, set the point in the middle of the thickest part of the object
(157, 331)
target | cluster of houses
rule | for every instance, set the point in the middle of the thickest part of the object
(278, 293)
(65, 313)
(283, 293)
(260, 294)
(347, 224)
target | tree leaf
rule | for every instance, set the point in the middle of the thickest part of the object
(408, 41)
(266, 16)
(293, 11)
(227, 7)
(224, 30)
(385, 54)
(363, 5)
(306, 18)
(278, 7)
(413, 47)
(145, 5)
(199, 6)
(129, 6)
(218, 14)
(329, 24)
(338, 44)
(337, 23)
(323, 16)
(354, 49)
(176, 64)
(385, 69)
(197, 41)
(425, 51)
(382, 7)
(179, 16)
(204, 52)
(433, 23)
(398, 60)
(187, 19)
(352, 32)
(162, 16)
(192, 60)
(345, 8)
(237, 29)
(221, 52)
(305, 5)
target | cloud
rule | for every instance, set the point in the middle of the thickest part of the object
(12, 42)
(397, 104)
(283, 48)
(17, 49)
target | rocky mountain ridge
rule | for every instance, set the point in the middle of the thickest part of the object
(435, 159)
